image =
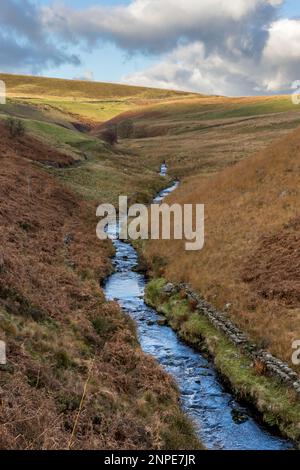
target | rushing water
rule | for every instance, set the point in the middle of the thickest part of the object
(221, 422)
(163, 170)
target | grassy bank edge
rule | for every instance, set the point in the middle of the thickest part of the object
(276, 403)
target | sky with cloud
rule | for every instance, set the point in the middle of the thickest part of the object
(237, 47)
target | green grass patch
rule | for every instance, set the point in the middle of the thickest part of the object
(99, 111)
(105, 180)
(180, 430)
(65, 139)
(37, 110)
(103, 326)
(62, 138)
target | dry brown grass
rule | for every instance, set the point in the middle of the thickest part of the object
(191, 145)
(56, 322)
(274, 270)
(249, 237)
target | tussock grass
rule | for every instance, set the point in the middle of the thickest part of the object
(250, 209)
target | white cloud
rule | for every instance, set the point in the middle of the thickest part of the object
(190, 67)
(87, 76)
(281, 56)
(284, 41)
(157, 25)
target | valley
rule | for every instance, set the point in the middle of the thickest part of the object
(240, 157)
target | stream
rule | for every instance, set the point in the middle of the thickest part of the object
(220, 420)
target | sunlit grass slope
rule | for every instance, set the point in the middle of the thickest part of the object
(57, 113)
(90, 100)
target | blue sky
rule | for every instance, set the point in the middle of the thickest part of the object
(210, 46)
(107, 63)
(291, 8)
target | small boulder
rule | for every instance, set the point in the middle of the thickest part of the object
(169, 289)
(162, 322)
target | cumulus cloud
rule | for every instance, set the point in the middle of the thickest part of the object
(281, 56)
(264, 58)
(24, 44)
(156, 26)
(190, 67)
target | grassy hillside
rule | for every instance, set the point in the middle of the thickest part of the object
(251, 256)
(76, 377)
(193, 133)
(204, 135)
(100, 171)
(88, 100)
(26, 85)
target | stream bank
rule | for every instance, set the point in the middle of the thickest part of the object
(277, 404)
(221, 421)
